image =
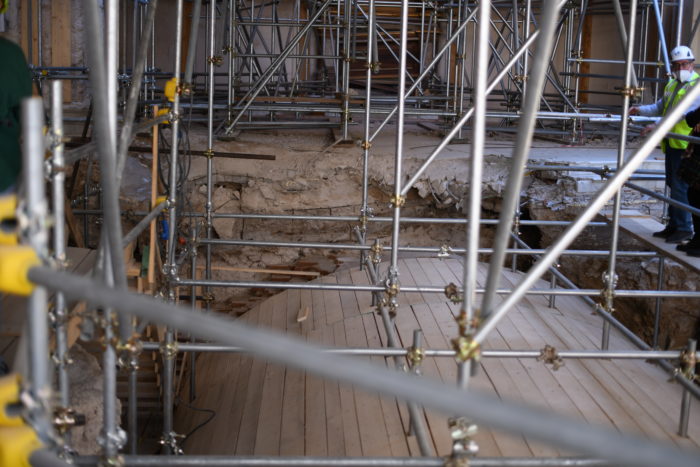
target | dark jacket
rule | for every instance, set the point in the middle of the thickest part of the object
(15, 84)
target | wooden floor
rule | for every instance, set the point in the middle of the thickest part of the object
(13, 308)
(265, 409)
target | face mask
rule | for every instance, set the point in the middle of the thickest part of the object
(684, 75)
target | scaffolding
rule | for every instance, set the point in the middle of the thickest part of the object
(462, 65)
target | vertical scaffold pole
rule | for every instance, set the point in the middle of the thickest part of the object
(397, 200)
(369, 64)
(36, 235)
(610, 278)
(169, 439)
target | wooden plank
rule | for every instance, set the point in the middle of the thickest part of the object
(373, 435)
(331, 300)
(406, 323)
(292, 432)
(397, 440)
(247, 434)
(351, 430)
(334, 413)
(267, 440)
(642, 227)
(61, 29)
(364, 299)
(348, 300)
(315, 426)
(318, 309)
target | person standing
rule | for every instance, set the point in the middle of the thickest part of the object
(15, 85)
(679, 227)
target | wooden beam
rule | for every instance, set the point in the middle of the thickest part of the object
(61, 40)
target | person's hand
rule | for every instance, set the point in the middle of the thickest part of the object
(634, 110)
(647, 129)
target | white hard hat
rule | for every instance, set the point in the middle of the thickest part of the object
(681, 53)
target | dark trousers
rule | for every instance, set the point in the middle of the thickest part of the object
(679, 219)
(694, 201)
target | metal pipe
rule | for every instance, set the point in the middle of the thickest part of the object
(169, 439)
(127, 134)
(657, 304)
(364, 210)
(58, 177)
(171, 267)
(623, 39)
(539, 425)
(685, 401)
(36, 235)
(398, 172)
(606, 192)
(264, 461)
(426, 72)
(679, 22)
(105, 109)
(192, 44)
(267, 75)
(453, 132)
(143, 223)
(511, 199)
(610, 279)
(662, 37)
(440, 353)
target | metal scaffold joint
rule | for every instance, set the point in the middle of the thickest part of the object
(452, 292)
(169, 351)
(216, 60)
(688, 361)
(464, 447)
(171, 440)
(467, 348)
(397, 201)
(549, 356)
(376, 252)
(445, 251)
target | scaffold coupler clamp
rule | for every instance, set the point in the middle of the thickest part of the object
(549, 356)
(65, 418)
(376, 252)
(391, 290)
(445, 251)
(128, 352)
(466, 348)
(463, 445)
(171, 440)
(397, 201)
(452, 293)
(415, 356)
(215, 60)
(688, 361)
(169, 351)
(18, 439)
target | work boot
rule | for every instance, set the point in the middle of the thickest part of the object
(693, 244)
(679, 236)
(694, 252)
(665, 233)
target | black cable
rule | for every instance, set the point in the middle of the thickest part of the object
(212, 414)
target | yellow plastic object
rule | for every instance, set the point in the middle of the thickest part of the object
(171, 89)
(15, 262)
(164, 111)
(16, 445)
(160, 199)
(9, 394)
(17, 440)
(8, 233)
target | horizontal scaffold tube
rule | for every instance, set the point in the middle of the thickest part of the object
(399, 352)
(429, 288)
(260, 461)
(537, 424)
